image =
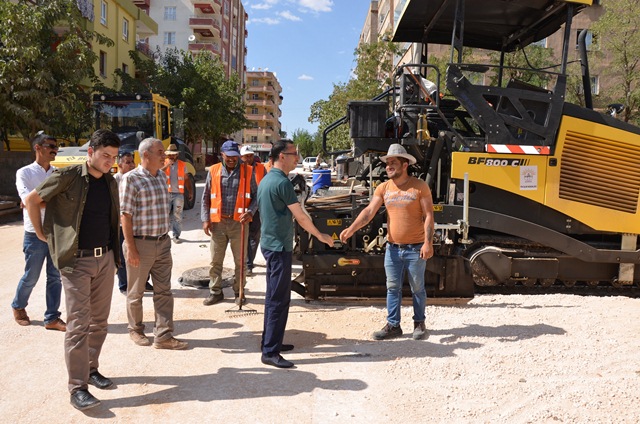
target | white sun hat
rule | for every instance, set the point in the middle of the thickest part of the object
(397, 150)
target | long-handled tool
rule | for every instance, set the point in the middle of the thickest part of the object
(239, 310)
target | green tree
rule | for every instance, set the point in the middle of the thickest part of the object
(212, 105)
(618, 35)
(46, 68)
(372, 74)
(528, 65)
(305, 142)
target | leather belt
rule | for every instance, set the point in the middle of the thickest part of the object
(405, 246)
(155, 238)
(93, 253)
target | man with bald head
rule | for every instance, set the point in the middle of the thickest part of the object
(144, 213)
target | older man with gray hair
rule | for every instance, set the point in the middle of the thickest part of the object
(144, 211)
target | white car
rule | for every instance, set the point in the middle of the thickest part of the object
(309, 163)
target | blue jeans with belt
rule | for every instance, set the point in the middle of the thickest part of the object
(398, 261)
(35, 253)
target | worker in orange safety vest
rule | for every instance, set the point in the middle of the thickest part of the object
(228, 203)
(248, 157)
(176, 171)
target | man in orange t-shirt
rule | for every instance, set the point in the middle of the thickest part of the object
(410, 232)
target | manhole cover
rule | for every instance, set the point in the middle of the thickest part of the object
(199, 277)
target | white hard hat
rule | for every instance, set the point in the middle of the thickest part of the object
(246, 150)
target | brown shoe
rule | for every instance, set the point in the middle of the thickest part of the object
(213, 299)
(172, 344)
(21, 317)
(56, 324)
(139, 338)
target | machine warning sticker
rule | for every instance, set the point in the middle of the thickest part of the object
(438, 208)
(334, 236)
(334, 222)
(528, 178)
(346, 262)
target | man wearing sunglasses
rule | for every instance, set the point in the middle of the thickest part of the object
(36, 250)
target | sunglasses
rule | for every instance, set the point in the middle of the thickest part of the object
(50, 145)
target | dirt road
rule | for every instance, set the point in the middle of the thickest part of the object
(498, 359)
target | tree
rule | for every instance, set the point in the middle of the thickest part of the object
(212, 105)
(618, 34)
(372, 74)
(305, 142)
(46, 76)
(527, 65)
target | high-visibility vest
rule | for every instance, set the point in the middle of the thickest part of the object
(181, 174)
(243, 198)
(261, 171)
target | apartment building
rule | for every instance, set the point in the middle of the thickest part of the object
(124, 24)
(217, 26)
(263, 100)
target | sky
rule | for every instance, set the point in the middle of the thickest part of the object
(308, 44)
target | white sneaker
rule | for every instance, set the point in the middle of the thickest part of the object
(176, 240)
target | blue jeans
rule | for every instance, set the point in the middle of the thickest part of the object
(177, 204)
(35, 253)
(397, 262)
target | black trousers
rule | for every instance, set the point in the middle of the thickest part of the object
(276, 301)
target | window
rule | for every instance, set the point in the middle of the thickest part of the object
(103, 64)
(125, 68)
(541, 43)
(169, 38)
(590, 40)
(254, 138)
(103, 12)
(595, 85)
(170, 13)
(255, 83)
(125, 29)
(255, 97)
(254, 111)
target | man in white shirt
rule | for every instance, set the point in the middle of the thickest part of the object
(35, 250)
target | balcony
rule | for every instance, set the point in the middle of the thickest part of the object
(145, 50)
(205, 26)
(207, 6)
(200, 46)
(260, 89)
(142, 4)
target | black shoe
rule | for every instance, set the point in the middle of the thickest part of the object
(82, 399)
(286, 347)
(99, 380)
(387, 332)
(148, 287)
(213, 299)
(276, 361)
(123, 291)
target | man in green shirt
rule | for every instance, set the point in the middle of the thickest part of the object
(278, 205)
(81, 228)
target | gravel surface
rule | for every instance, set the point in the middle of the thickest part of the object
(496, 359)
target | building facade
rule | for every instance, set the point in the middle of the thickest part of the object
(125, 25)
(263, 99)
(217, 26)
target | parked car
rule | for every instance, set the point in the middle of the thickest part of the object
(309, 163)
